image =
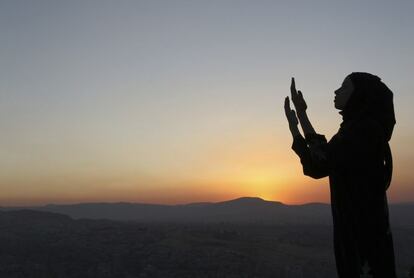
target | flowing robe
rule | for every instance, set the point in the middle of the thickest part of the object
(354, 161)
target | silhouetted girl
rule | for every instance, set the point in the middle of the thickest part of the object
(358, 162)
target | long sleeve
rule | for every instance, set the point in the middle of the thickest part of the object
(313, 154)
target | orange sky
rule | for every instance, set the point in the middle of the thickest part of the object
(183, 102)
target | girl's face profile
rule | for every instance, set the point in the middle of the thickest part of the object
(343, 93)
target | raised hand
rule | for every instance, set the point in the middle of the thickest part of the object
(290, 114)
(297, 98)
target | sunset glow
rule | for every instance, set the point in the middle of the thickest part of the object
(180, 102)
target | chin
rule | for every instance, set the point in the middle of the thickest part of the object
(337, 107)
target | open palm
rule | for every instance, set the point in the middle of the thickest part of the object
(290, 113)
(297, 97)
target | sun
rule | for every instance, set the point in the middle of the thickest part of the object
(260, 185)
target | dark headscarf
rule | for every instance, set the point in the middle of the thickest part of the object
(372, 98)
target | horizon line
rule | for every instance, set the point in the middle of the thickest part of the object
(181, 204)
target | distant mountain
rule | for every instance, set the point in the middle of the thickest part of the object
(241, 210)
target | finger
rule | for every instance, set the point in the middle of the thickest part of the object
(293, 87)
(287, 105)
(293, 91)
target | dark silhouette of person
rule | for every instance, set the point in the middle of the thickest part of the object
(358, 162)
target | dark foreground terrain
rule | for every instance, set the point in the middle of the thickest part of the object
(44, 244)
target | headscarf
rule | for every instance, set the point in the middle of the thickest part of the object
(372, 98)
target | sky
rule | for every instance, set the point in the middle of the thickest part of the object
(182, 101)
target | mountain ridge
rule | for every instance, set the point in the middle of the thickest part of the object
(239, 210)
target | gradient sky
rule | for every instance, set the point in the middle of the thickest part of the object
(182, 101)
